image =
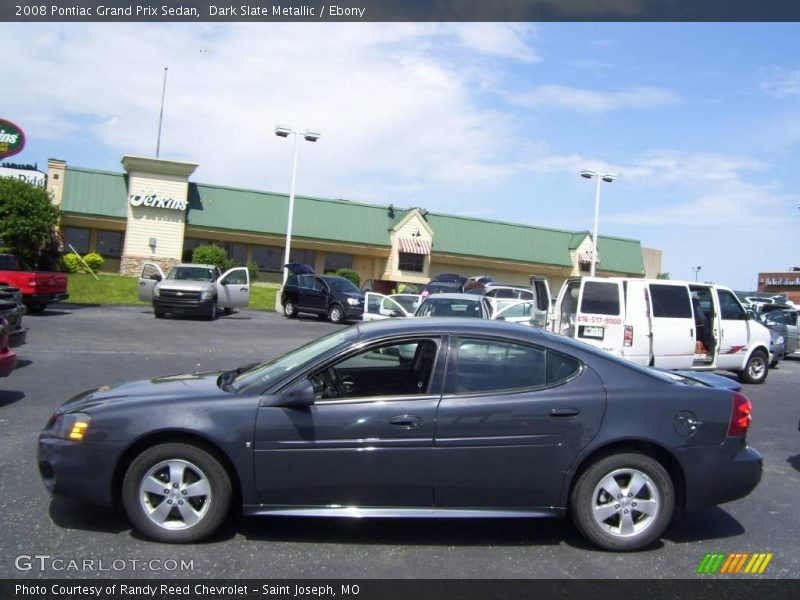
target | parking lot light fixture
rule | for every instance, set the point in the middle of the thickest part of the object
(309, 135)
(608, 178)
(696, 271)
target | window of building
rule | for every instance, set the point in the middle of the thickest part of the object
(236, 252)
(109, 243)
(308, 257)
(411, 262)
(189, 244)
(268, 258)
(334, 262)
(78, 238)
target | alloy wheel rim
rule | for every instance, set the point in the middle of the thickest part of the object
(756, 367)
(625, 503)
(175, 494)
(336, 314)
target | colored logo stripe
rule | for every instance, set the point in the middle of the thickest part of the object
(720, 562)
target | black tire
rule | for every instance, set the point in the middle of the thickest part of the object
(589, 497)
(197, 465)
(227, 311)
(756, 369)
(289, 309)
(36, 308)
(212, 312)
(336, 314)
(158, 314)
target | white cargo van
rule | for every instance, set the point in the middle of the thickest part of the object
(664, 323)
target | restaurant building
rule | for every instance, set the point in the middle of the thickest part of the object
(781, 282)
(152, 212)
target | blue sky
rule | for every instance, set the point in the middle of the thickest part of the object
(700, 121)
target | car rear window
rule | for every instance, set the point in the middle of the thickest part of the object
(600, 298)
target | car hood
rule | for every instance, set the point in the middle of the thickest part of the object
(185, 285)
(190, 385)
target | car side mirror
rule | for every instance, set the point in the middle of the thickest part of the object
(155, 277)
(297, 396)
(395, 313)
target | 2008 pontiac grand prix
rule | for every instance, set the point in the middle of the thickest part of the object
(409, 418)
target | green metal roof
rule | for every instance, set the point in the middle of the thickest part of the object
(263, 212)
(105, 194)
(95, 192)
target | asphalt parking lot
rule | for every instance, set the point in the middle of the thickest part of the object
(73, 348)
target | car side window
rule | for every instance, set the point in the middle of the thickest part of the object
(560, 367)
(305, 282)
(729, 307)
(670, 301)
(236, 278)
(495, 366)
(398, 369)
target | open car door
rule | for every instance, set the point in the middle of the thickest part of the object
(151, 275)
(377, 306)
(523, 312)
(233, 288)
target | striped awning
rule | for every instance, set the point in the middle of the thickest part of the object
(586, 257)
(414, 245)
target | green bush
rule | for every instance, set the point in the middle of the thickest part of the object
(94, 261)
(212, 254)
(350, 274)
(72, 264)
(252, 268)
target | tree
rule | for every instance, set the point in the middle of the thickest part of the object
(27, 222)
(662, 276)
(211, 254)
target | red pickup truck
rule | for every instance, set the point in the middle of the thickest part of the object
(39, 288)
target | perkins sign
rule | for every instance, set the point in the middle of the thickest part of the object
(156, 201)
(12, 140)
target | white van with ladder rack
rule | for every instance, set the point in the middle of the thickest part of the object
(664, 323)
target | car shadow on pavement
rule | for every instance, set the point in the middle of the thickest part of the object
(59, 310)
(710, 524)
(8, 397)
(794, 461)
(69, 514)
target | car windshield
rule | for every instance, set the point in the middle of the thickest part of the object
(409, 302)
(268, 372)
(449, 307)
(340, 284)
(192, 274)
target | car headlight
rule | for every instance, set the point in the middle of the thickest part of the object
(352, 301)
(779, 339)
(70, 426)
(207, 294)
(156, 292)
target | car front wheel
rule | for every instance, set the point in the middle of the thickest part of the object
(176, 493)
(336, 314)
(212, 311)
(756, 369)
(623, 502)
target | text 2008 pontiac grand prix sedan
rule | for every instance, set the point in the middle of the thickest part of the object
(409, 418)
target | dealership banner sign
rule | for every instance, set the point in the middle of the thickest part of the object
(30, 176)
(12, 139)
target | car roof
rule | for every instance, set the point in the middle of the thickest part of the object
(195, 265)
(470, 297)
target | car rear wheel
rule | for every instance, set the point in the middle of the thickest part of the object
(336, 314)
(289, 309)
(176, 493)
(36, 307)
(623, 501)
(756, 369)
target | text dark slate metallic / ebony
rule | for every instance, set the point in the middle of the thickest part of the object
(409, 418)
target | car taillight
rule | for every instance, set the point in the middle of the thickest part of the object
(628, 339)
(740, 415)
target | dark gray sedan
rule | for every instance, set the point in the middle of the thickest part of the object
(482, 419)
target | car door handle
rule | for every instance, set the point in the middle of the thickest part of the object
(406, 421)
(564, 412)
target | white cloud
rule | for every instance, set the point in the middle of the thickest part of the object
(592, 101)
(780, 83)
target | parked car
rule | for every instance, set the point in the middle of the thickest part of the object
(377, 306)
(485, 420)
(12, 310)
(502, 295)
(39, 288)
(454, 305)
(323, 295)
(665, 323)
(440, 287)
(784, 320)
(8, 358)
(194, 289)
(459, 280)
(777, 348)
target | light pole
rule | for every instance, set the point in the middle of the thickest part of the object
(696, 271)
(310, 136)
(608, 178)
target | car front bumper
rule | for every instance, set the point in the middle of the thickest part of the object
(8, 361)
(80, 470)
(193, 307)
(353, 313)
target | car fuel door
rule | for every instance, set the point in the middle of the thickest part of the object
(233, 288)
(151, 275)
